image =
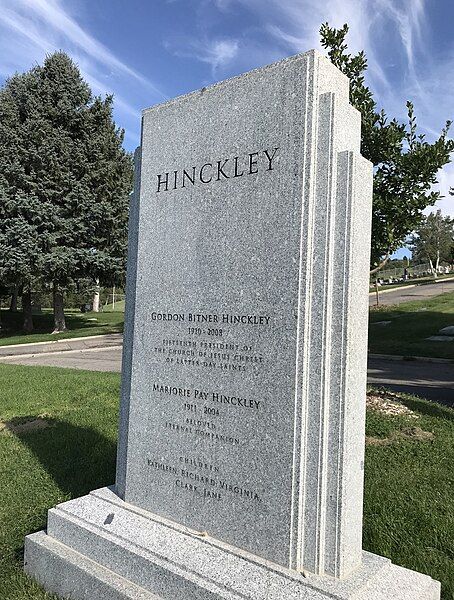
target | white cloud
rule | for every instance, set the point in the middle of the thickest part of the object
(445, 183)
(223, 5)
(53, 14)
(30, 29)
(408, 18)
(26, 28)
(218, 52)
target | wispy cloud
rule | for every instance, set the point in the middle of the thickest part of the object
(217, 52)
(35, 28)
(408, 18)
(54, 16)
(223, 5)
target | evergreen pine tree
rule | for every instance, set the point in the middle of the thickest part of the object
(76, 179)
(22, 215)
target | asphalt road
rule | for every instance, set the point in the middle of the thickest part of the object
(419, 292)
(433, 381)
(92, 359)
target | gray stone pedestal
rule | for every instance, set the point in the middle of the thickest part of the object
(99, 547)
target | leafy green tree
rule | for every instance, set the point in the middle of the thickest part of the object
(75, 180)
(405, 163)
(433, 240)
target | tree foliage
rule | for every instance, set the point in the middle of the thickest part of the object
(21, 218)
(64, 181)
(433, 240)
(405, 163)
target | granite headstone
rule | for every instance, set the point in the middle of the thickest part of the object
(240, 456)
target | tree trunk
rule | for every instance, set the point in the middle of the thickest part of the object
(14, 295)
(59, 313)
(27, 310)
(96, 297)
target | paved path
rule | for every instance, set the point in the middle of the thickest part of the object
(433, 381)
(418, 292)
(90, 359)
(77, 343)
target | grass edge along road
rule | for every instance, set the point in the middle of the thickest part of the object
(58, 441)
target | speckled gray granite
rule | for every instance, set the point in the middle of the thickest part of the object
(98, 547)
(245, 370)
(244, 367)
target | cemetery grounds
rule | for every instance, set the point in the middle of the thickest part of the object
(58, 431)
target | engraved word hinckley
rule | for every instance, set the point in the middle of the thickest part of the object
(225, 168)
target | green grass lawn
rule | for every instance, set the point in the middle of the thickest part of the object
(119, 306)
(78, 324)
(409, 501)
(43, 467)
(411, 323)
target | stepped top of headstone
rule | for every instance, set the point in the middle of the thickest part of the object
(282, 63)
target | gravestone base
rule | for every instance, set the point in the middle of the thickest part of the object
(99, 547)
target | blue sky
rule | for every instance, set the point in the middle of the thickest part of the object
(145, 51)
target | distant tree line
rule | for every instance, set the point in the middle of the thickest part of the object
(433, 241)
(64, 185)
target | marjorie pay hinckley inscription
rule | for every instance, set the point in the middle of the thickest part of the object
(225, 168)
(203, 408)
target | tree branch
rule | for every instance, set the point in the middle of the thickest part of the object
(382, 264)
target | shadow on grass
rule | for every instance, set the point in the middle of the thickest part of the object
(79, 459)
(12, 323)
(431, 409)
